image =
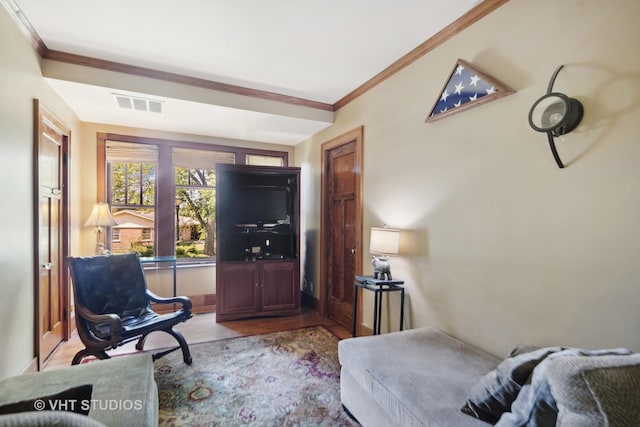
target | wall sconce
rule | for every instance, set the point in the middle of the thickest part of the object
(555, 114)
(100, 217)
(384, 241)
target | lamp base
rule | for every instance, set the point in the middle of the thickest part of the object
(100, 247)
(381, 268)
(101, 250)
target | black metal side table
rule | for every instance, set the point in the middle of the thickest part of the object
(378, 287)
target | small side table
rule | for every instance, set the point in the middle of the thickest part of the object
(378, 287)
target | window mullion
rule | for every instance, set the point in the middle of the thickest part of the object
(126, 183)
(141, 185)
(165, 203)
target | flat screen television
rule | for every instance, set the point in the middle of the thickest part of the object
(260, 206)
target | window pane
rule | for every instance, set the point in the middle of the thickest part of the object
(195, 177)
(258, 160)
(201, 159)
(182, 176)
(134, 231)
(133, 183)
(118, 174)
(195, 181)
(195, 222)
(148, 184)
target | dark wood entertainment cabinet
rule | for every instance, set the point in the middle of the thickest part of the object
(258, 241)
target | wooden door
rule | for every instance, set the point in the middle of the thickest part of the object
(52, 298)
(342, 225)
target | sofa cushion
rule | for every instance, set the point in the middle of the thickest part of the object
(74, 399)
(419, 377)
(615, 390)
(594, 391)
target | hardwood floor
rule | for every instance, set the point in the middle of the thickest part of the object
(203, 327)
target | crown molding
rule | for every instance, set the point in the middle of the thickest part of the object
(70, 58)
(25, 26)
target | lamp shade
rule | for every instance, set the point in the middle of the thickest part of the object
(384, 241)
(100, 216)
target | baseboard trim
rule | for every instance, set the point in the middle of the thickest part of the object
(199, 304)
(365, 331)
(31, 367)
(309, 300)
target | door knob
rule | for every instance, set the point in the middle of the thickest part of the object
(353, 250)
(47, 266)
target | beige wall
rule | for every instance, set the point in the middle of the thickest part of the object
(20, 83)
(501, 246)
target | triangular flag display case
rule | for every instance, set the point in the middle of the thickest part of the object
(466, 87)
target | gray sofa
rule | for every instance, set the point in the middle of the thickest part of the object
(123, 393)
(413, 378)
(424, 377)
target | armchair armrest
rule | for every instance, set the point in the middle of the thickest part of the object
(186, 302)
(114, 321)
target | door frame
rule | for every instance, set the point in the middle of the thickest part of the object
(357, 136)
(40, 112)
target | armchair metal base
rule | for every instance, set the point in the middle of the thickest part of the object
(102, 354)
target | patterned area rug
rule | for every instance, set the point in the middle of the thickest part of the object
(289, 378)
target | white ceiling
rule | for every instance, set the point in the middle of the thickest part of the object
(318, 50)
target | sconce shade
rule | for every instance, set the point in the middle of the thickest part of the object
(384, 241)
(555, 113)
(100, 216)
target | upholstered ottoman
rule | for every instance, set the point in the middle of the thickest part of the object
(123, 393)
(419, 377)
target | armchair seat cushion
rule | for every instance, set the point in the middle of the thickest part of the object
(136, 325)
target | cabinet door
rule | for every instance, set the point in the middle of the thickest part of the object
(279, 286)
(238, 288)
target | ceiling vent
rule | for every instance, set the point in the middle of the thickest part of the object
(140, 104)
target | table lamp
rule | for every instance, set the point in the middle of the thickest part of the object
(100, 217)
(384, 241)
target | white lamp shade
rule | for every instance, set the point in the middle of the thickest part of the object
(384, 241)
(100, 216)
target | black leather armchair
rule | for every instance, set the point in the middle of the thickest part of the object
(113, 306)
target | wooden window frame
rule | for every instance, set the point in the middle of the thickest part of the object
(164, 238)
